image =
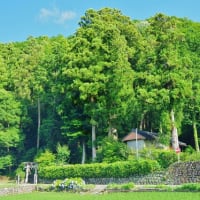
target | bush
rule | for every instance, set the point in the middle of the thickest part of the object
(20, 171)
(57, 185)
(195, 156)
(5, 162)
(112, 151)
(127, 186)
(189, 149)
(100, 170)
(46, 158)
(63, 154)
(124, 186)
(164, 157)
(74, 184)
(190, 154)
(189, 187)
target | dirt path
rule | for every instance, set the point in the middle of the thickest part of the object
(98, 189)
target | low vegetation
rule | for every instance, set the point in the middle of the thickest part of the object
(189, 187)
(124, 186)
(70, 184)
(101, 170)
(109, 196)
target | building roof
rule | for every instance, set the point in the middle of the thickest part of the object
(132, 136)
(182, 144)
(144, 135)
(140, 135)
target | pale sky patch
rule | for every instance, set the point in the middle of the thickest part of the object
(65, 16)
(56, 15)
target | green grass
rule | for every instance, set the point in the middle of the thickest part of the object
(5, 182)
(110, 196)
(124, 186)
(7, 185)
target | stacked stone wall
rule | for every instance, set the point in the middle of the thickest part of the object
(184, 172)
(150, 179)
(17, 189)
(178, 173)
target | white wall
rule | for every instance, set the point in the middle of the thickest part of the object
(132, 144)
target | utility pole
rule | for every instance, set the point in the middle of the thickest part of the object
(136, 142)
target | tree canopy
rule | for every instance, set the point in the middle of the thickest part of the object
(112, 75)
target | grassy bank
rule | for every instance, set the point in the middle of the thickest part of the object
(110, 196)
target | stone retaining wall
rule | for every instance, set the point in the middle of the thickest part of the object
(184, 172)
(150, 179)
(178, 173)
(17, 189)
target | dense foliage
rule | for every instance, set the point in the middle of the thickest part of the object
(65, 95)
(100, 170)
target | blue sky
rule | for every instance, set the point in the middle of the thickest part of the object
(23, 18)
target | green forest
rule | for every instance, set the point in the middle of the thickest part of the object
(66, 95)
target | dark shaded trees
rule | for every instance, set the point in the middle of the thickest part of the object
(112, 75)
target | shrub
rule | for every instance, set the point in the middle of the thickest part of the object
(63, 154)
(74, 183)
(68, 184)
(164, 157)
(189, 149)
(5, 161)
(189, 187)
(57, 185)
(195, 156)
(127, 186)
(123, 186)
(45, 158)
(100, 170)
(112, 151)
(20, 173)
(164, 187)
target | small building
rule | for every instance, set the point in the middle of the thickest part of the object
(138, 139)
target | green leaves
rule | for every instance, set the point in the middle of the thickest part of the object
(5, 162)
(45, 158)
(10, 137)
(112, 73)
(9, 120)
(163, 76)
(101, 170)
(63, 153)
(112, 151)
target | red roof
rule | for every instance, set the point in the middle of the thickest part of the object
(132, 136)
